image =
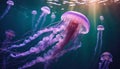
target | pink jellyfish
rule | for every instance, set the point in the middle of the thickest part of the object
(71, 26)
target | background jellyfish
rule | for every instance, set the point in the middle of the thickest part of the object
(34, 12)
(67, 31)
(10, 34)
(53, 16)
(101, 19)
(100, 29)
(10, 3)
(106, 59)
(45, 11)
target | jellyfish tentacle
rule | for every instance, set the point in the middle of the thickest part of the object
(44, 18)
(32, 37)
(42, 45)
(6, 11)
(69, 49)
(33, 62)
(96, 47)
(47, 57)
(38, 21)
(70, 32)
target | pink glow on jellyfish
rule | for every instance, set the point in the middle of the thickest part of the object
(75, 23)
(80, 18)
(10, 3)
(45, 10)
(71, 26)
(100, 27)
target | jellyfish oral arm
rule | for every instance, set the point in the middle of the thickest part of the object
(40, 32)
(43, 44)
(38, 47)
(48, 56)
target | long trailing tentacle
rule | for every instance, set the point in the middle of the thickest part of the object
(43, 44)
(32, 38)
(48, 57)
(40, 32)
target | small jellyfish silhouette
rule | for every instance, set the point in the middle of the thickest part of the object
(98, 46)
(101, 18)
(34, 12)
(53, 16)
(42, 18)
(10, 3)
(100, 29)
(106, 56)
(106, 59)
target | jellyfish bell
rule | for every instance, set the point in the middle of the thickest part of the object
(81, 19)
(10, 34)
(101, 18)
(34, 12)
(10, 2)
(100, 27)
(46, 9)
(106, 56)
(53, 15)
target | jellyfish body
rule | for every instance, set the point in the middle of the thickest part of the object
(82, 19)
(53, 16)
(34, 12)
(45, 11)
(98, 46)
(105, 58)
(75, 23)
(101, 19)
(10, 3)
(72, 24)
